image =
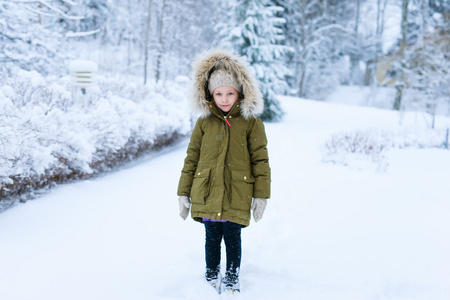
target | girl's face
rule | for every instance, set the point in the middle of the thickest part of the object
(225, 97)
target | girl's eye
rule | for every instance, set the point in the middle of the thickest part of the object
(230, 93)
(219, 94)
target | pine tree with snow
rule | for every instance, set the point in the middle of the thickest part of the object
(253, 30)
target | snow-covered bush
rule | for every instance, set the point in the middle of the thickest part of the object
(355, 148)
(50, 132)
(368, 148)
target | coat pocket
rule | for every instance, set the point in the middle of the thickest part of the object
(241, 190)
(200, 186)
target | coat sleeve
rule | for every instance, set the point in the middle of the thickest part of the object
(259, 157)
(191, 161)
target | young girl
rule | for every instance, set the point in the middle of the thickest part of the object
(226, 171)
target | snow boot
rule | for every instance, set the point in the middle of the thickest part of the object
(214, 278)
(231, 283)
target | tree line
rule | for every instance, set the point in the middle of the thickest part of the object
(297, 47)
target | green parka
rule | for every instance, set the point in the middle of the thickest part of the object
(227, 162)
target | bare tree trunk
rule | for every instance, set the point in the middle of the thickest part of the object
(381, 8)
(147, 33)
(129, 40)
(401, 74)
(355, 73)
(303, 48)
(39, 15)
(160, 43)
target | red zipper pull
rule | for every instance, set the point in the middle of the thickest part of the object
(229, 125)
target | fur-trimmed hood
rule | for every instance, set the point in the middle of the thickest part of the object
(252, 103)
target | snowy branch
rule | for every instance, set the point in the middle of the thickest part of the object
(332, 26)
(69, 2)
(51, 7)
(85, 33)
(36, 11)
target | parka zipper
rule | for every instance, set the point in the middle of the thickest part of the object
(229, 125)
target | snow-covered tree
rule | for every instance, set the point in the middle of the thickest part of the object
(426, 62)
(175, 38)
(253, 30)
(374, 47)
(33, 33)
(423, 54)
(313, 29)
(355, 54)
(400, 83)
(188, 33)
(25, 42)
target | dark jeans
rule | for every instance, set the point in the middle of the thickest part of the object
(231, 233)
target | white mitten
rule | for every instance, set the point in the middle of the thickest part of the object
(258, 207)
(185, 204)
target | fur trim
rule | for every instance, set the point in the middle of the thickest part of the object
(252, 103)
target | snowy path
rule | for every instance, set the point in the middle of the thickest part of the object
(329, 232)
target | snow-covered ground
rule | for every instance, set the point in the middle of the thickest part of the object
(329, 231)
